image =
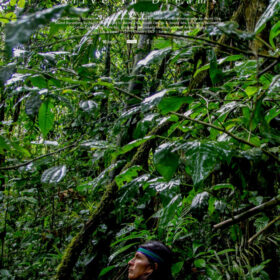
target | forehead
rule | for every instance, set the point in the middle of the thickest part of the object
(140, 255)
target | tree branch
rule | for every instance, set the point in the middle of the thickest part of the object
(263, 230)
(249, 213)
(37, 158)
(102, 211)
(222, 129)
(174, 35)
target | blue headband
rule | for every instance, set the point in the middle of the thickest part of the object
(151, 255)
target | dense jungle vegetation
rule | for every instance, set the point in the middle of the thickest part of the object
(106, 143)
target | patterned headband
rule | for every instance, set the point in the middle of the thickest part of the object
(151, 255)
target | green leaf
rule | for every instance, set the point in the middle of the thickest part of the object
(274, 88)
(54, 174)
(162, 43)
(143, 126)
(166, 162)
(272, 9)
(46, 117)
(216, 74)
(6, 72)
(274, 32)
(88, 106)
(271, 114)
(131, 146)
(127, 175)
(13, 2)
(145, 6)
(151, 101)
(4, 145)
(33, 105)
(203, 157)
(200, 202)
(261, 222)
(167, 213)
(121, 250)
(251, 90)
(21, 30)
(173, 103)
(177, 267)
(38, 81)
(106, 270)
(200, 263)
(153, 57)
(222, 186)
(21, 4)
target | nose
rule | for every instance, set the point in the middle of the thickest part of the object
(131, 261)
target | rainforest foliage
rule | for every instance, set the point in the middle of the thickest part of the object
(125, 121)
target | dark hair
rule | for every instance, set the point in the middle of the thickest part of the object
(164, 268)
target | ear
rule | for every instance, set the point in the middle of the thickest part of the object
(156, 266)
(152, 268)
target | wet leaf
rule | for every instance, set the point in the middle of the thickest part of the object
(274, 88)
(274, 32)
(33, 104)
(166, 162)
(21, 30)
(271, 114)
(151, 101)
(202, 158)
(271, 10)
(154, 57)
(6, 72)
(88, 106)
(54, 174)
(200, 201)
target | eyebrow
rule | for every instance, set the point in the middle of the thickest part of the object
(137, 254)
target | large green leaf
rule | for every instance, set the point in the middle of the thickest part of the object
(54, 174)
(154, 56)
(274, 32)
(21, 30)
(33, 104)
(272, 9)
(153, 100)
(6, 72)
(145, 6)
(38, 81)
(166, 161)
(203, 157)
(46, 117)
(173, 103)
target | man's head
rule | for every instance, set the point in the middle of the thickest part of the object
(151, 261)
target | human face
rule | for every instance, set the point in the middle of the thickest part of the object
(139, 267)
